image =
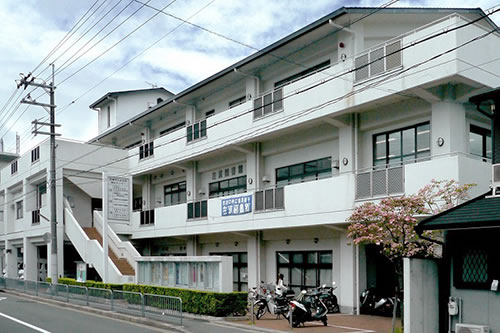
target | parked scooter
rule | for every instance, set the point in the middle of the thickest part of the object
(371, 303)
(276, 303)
(329, 298)
(308, 307)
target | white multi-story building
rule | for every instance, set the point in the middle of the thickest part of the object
(266, 159)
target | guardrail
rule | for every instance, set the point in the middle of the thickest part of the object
(133, 303)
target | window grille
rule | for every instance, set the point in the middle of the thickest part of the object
(35, 154)
(197, 209)
(378, 61)
(13, 167)
(268, 103)
(146, 150)
(270, 199)
(196, 131)
(148, 217)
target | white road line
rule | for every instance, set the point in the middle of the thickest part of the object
(2, 298)
(38, 329)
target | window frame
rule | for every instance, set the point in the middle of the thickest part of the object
(485, 136)
(19, 210)
(14, 167)
(304, 175)
(241, 183)
(35, 154)
(401, 156)
(178, 192)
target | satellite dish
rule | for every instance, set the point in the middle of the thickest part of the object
(46, 237)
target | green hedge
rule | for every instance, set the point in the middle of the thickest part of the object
(193, 301)
(199, 302)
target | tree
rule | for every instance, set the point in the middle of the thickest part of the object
(390, 223)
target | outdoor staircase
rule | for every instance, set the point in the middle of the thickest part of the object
(122, 264)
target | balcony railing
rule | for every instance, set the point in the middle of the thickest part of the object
(35, 216)
(197, 210)
(146, 150)
(148, 217)
(268, 103)
(381, 182)
(196, 131)
(378, 60)
(270, 199)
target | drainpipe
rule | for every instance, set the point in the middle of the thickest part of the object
(257, 79)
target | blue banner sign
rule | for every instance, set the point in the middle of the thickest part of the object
(236, 206)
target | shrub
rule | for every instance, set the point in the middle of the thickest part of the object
(193, 301)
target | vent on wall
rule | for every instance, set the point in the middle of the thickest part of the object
(469, 328)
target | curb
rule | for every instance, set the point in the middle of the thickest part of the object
(109, 314)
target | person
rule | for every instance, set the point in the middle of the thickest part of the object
(280, 287)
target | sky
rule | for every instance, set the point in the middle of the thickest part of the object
(99, 55)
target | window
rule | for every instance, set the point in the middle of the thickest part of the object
(228, 186)
(196, 131)
(197, 210)
(209, 113)
(402, 145)
(35, 154)
(137, 204)
(148, 217)
(19, 210)
(303, 74)
(475, 261)
(146, 150)
(268, 103)
(13, 167)
(480, 141)
(173, 128)
(240, 269)
(237, 101)
(378, 60)
(41, 189)
(175, 194)
(132, 145)
(305, 269)
(303, 172)
(270, 199)
(108, 117)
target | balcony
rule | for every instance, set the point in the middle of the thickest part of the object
(380, 183)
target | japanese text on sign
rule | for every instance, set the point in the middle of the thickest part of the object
(236, 206)
(118, 198)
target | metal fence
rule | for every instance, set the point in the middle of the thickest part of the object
(133, 303)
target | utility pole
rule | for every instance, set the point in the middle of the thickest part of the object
(26, 81)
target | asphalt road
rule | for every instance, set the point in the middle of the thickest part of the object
(24, 315)
(18, 315)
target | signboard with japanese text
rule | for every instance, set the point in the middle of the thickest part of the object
(236, 206)
(118, 198)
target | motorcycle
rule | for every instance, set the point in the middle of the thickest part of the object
(304, 304)
(276, 303)
(329, 298)
(371, 303)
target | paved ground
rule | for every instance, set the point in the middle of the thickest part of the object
(337, 323)
(20, 315)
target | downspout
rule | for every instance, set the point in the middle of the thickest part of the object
(257, 79)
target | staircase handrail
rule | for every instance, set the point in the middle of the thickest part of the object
(90, 250)
(122, 249)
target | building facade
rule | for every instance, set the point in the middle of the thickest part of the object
(265, 160)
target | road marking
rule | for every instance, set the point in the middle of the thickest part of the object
(38, 329)
(2, 298)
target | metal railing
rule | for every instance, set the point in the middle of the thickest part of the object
(379, 182)
(128, 302)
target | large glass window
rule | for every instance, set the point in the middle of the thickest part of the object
(480, 141)
(305, 269)
(303, 172)
(407, 144)
(240, 269)
(228, 186)
(175, 194)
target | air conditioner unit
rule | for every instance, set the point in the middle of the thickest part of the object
(469, 328)
(495, 177)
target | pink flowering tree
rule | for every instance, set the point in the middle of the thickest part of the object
(390, 223)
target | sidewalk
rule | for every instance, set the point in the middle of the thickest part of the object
(337, 323)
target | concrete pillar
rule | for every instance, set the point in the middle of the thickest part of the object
(421, 296)
(30, 259)
(252, 87)
(8, 213)
(10, 260)
(254, 259)
(346, 148)
(191, 182)
(347, 284)
(146, 193)
(253, 167)
(449, 123)
(193, 247)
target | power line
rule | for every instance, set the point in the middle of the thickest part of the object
(297, 115)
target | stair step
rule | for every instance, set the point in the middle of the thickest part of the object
(122, 264)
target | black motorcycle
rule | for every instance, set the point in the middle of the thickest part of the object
(308, 307)
(371, 303)
(329, 298)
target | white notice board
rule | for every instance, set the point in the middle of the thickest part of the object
(118, 198)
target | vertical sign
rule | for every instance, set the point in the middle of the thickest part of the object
(118, 198)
